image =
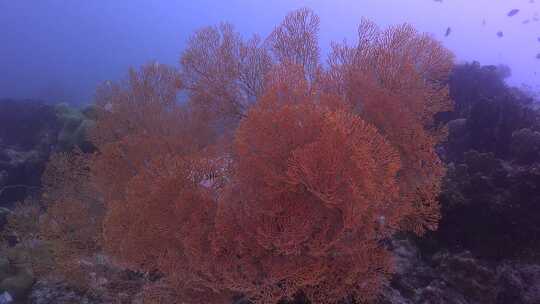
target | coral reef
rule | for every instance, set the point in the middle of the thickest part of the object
(306, 186)
(491, 192)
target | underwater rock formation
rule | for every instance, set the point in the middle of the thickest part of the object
(27, 130)
(30, 130)
(459, 278)
(492, 188)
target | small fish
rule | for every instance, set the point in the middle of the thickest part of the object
(448, 31)
(500, 34)
(513, 12)
(484, 22)
(526, 21)
(538, 56)
(538, 39)
(438, 0)
(531, 1)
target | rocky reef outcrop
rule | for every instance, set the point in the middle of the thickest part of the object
(459, 278)
(491, 196)
(30, 130)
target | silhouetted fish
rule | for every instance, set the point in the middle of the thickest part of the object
(483, 21)
(526, 21)
(500, 34)
(538, 56)
(448, 31)
(513, 12)
(538, 39)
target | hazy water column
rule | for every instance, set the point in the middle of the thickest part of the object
(61, 49)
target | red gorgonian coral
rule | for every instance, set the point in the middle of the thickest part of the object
(296, 194)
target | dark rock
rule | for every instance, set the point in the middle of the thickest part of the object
(526, 146)
(460, 278)
(5, 269)
(58, 292)
(29, 132)
(519, 283)
(491, 193)
(27, 136)
(490, 110)
(4, 212)
(488, 202)
(483, 163)
(27, 124)
(18, 285)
